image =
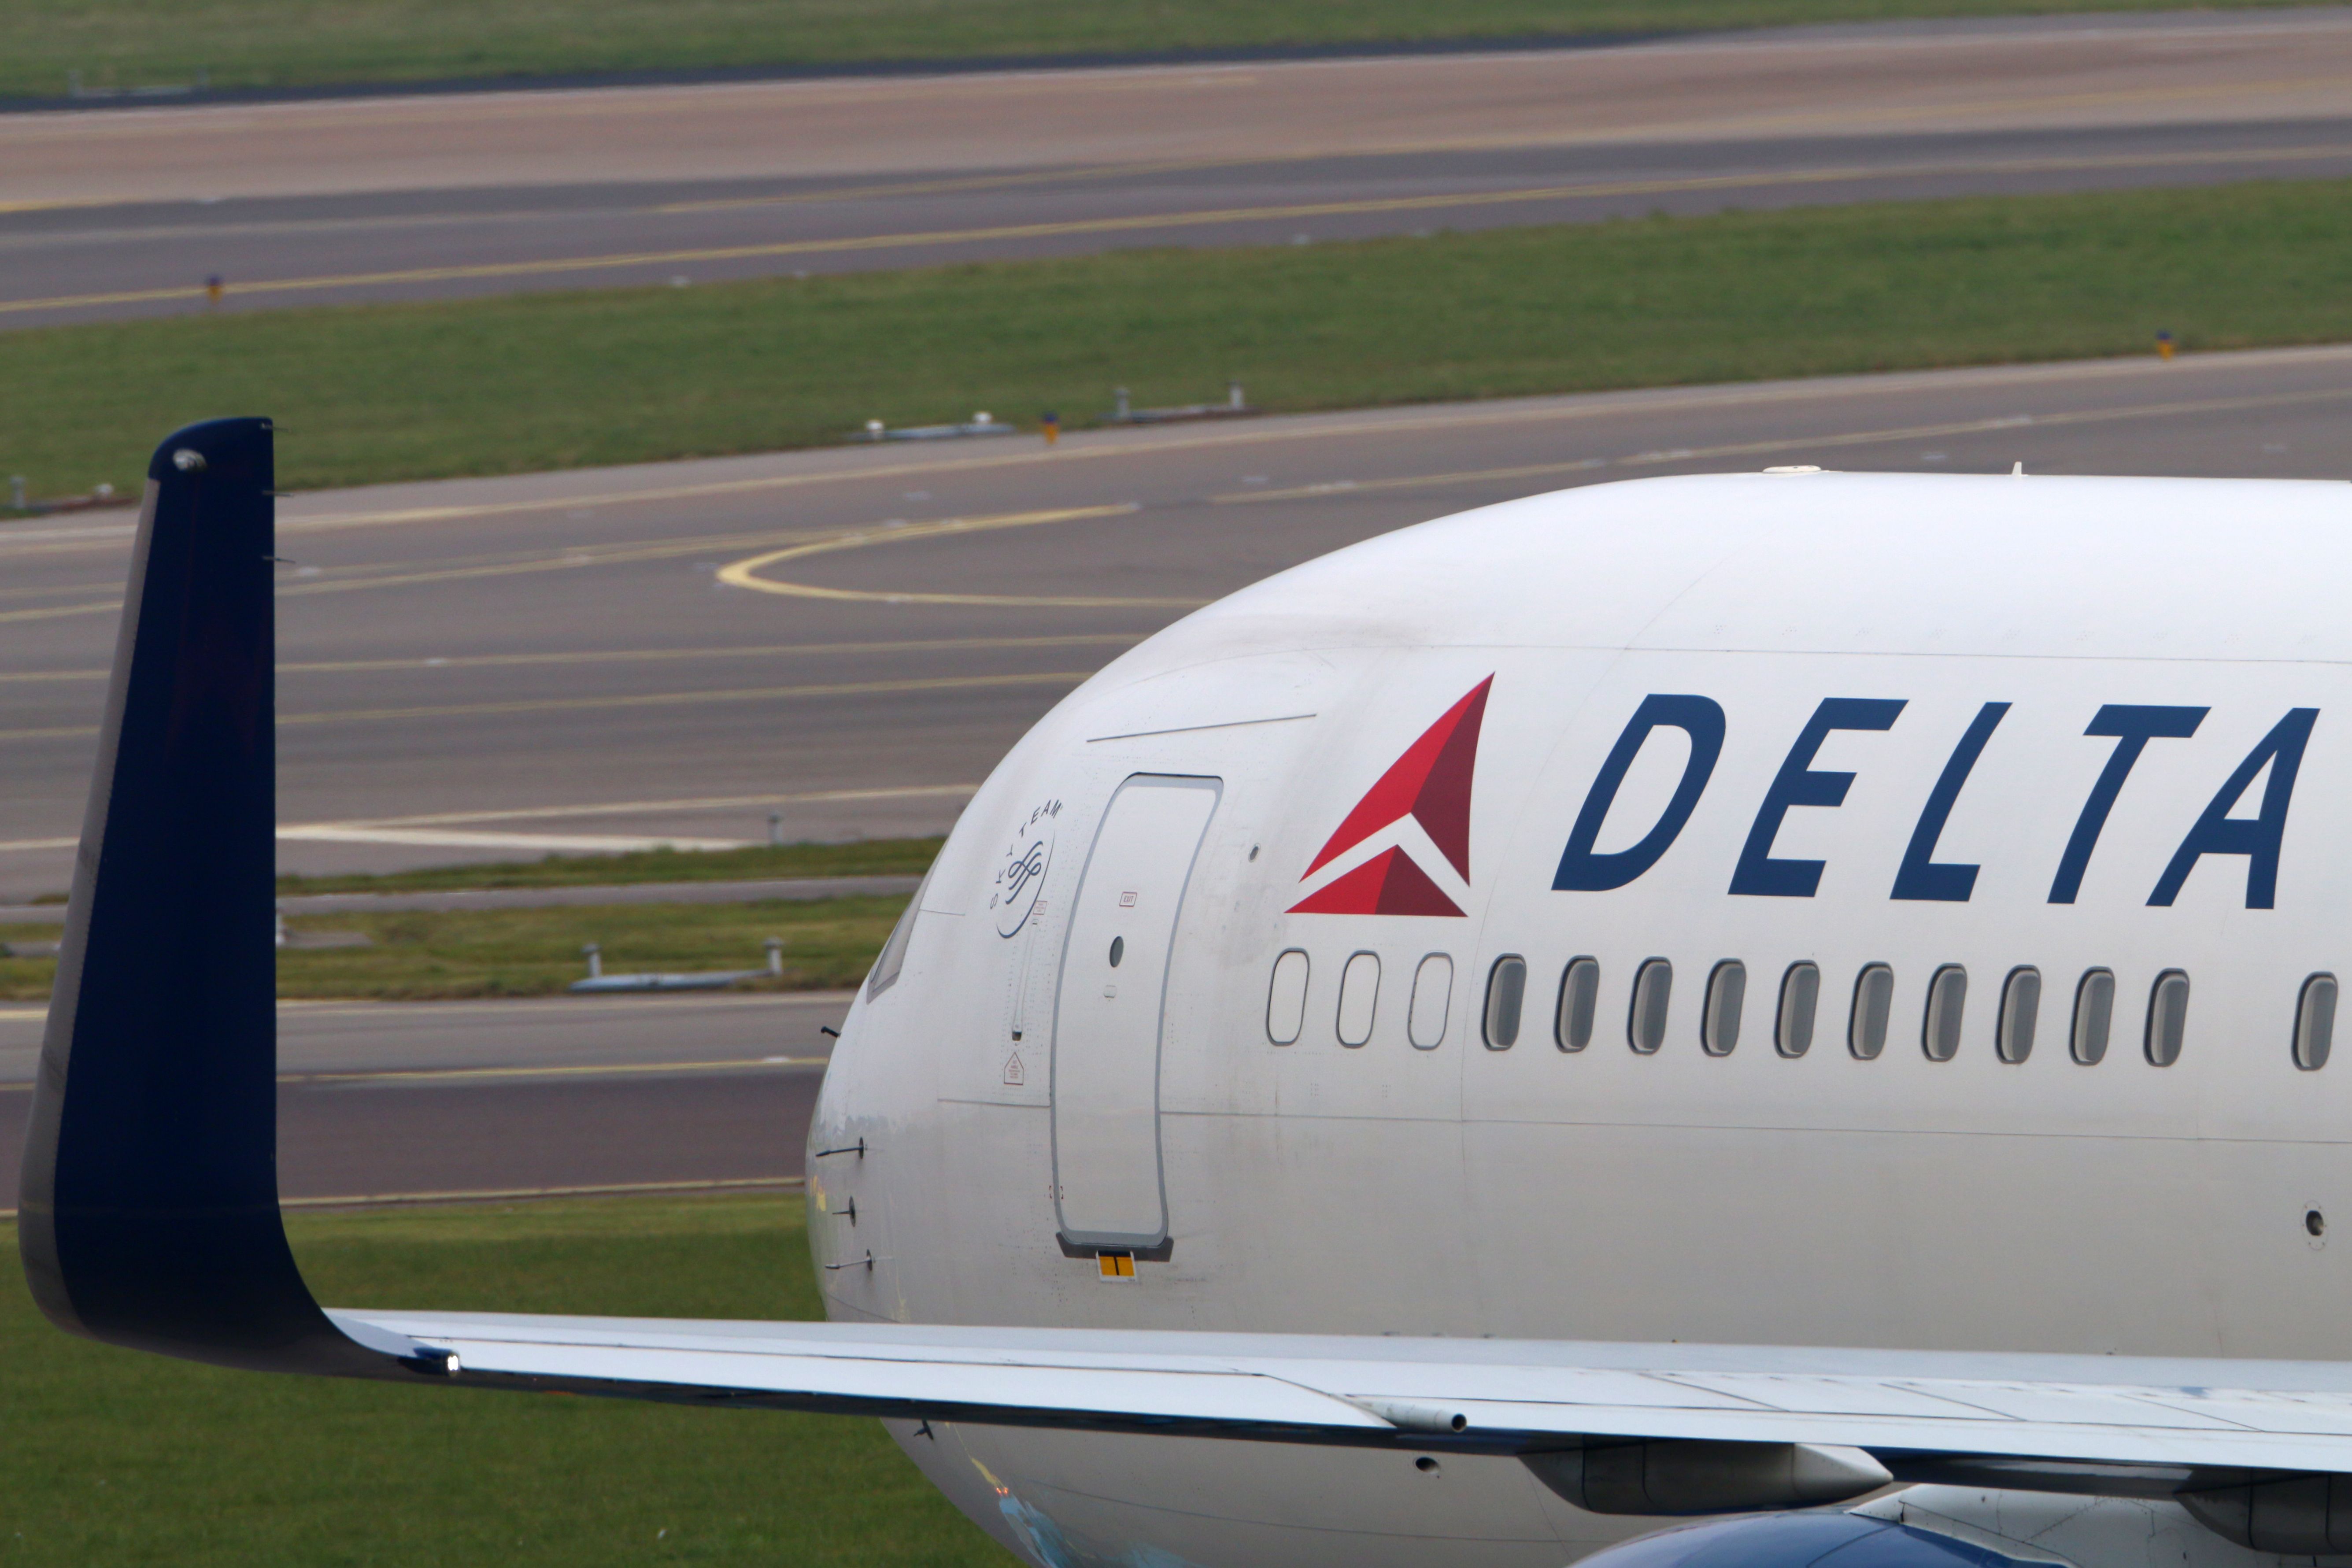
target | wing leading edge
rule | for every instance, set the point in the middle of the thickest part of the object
(151, 1216)
(2172, 1416)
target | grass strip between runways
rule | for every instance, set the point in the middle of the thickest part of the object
(858, 858)
(566, 380)
(122, 1459)
(434, 955)
(277, 43)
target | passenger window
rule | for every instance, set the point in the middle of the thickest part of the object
(2095, 1010)
(1718, 1023)
(1285, 998)
(1506, 988)
(1359, 995)
(1801, 993)
(1653, 988)
(2167, 1017)
(1874, 1003)
(1432, 992)
(2020, 1005)
(2314, 1022)
(1580, 997)
(1947, 997)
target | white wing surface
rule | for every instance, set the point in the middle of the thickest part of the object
(1511, 1395)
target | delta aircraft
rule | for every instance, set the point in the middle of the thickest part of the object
(1763, 1019)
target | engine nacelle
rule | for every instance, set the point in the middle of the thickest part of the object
(2300, 1516)
(1691, 1476)
(1798, 1541)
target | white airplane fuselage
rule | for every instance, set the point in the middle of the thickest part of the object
(1770, 721)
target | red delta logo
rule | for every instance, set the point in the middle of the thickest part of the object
(1429, 785)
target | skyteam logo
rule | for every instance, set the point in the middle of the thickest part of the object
(1428, 788)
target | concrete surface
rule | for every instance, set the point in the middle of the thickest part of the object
(127, 211)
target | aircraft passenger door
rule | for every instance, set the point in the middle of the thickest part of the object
(1108, 1014)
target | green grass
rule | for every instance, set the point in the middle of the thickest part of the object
(124, 1459)
(437, 955)
(560, 380)
(277, 43)
(863, 858)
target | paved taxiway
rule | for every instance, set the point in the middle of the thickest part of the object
(851, 638)
(519, 1097)
(127, 211)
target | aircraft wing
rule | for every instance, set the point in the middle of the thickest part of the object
(149, 1213)
(1488, 1395)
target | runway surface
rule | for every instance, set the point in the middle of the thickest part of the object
(851, 638)
(127, 213)
(407, 1100)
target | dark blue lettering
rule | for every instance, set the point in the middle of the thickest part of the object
(1921, 875)
(1797, 784)
(2218, 833)
(1583, 871)
(2134, 726)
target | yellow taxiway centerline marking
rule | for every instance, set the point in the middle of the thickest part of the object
(774, 650)
(628, 656)
(702, 803)
(59, 611)
(1136, 222)
(1357, 423)
(626, 553)
(741, 573)
(980, 182)
(606, 808)
(613, 1189)
(744, 573)
(646, 699)
(691, 699)
(542, 843)
(1785, 444)
(590, 1070)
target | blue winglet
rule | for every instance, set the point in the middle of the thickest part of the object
(150, 1203)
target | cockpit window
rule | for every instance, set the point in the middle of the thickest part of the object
(893, 952)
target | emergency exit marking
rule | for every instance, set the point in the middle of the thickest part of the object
(1126, 900)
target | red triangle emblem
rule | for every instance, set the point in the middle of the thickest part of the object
(1430, 783)
(1387, 884)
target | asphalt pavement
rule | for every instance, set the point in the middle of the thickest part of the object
(850, 639)
(519, 1099)
(67, 264)
(791, 889)
(128, 212)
